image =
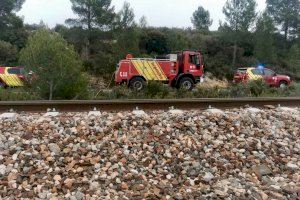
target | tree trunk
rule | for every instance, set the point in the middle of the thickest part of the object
(51, 90)
(286, 32)
(286, 29)
(234, 54)
(89, 37)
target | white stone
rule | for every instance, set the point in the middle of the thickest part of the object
(51, 114)
(2, 169)
(79, 195)
(175, 112)
(292, 166)
(94, 147)
(103, 176)
(94, 113)
(11, 115)
(134, 171)
(94, 186)
(54, 148)
(97, 166)
(139, 113)
(15, 156)
(208, 177)
(287, 109)
(253, 110)
(276, 187)
(118, 180)
(215, 111)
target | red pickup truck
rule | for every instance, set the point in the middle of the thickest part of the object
(270, 77)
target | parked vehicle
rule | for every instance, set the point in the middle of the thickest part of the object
(268, 75)
(12, 77)
(181, 70)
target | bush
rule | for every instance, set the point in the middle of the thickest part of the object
(17, 94)
(56, 65)
(295, 90)
(156, 89)
(8, 53)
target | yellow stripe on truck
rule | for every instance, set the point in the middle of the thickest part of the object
(154, 71)
(150, 70)
(17, 80)
(11, 80)
(141, 69)
(5, 79)
(252, 76)
(159, 70)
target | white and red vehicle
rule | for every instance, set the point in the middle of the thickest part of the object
(181, 70)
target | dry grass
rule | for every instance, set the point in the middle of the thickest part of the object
(211, 82)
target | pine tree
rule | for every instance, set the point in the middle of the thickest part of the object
(11, 26)
(265, 51)
(125, 18)
(286, 14)
(201, 19)
(240, 15)
(92, 14)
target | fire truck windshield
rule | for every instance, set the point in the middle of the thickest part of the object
(195, 59)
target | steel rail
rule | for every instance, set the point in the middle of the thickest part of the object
(145, 104)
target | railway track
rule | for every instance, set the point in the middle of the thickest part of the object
(145, 104)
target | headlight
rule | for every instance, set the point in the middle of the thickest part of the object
(289, 78)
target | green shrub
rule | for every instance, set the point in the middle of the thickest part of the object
(236, 91)
(257, 87)
(17, 94)
(156, 89)
(202, 92)
(56, 64)
(117, 92)
(295, 90)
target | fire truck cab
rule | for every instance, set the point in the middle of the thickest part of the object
(181, 70)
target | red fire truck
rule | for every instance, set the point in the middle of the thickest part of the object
(181, 70)
(12, 76)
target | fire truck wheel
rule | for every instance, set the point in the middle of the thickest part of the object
(137, 84)
(186, 83)
(283, 84)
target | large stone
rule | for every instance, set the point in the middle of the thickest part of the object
(208, 177)
(2, 169)
(261, 170)
(253, 110)
(79, 195)
(51, 114)
(292, 166)
(10, 115)
(69, 183)
(54, 148)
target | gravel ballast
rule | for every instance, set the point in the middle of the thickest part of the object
(245, 153)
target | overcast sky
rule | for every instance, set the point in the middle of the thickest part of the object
(170, 13)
